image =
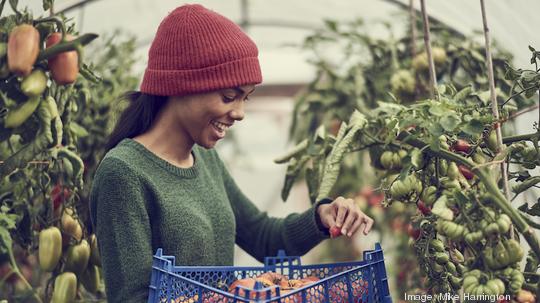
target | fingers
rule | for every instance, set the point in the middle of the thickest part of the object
(369, 224)
(348, 224)
(342, 209)
(327, 214)
(349, 218)
(355, 226)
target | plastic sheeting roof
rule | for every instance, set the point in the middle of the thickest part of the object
(279, 22)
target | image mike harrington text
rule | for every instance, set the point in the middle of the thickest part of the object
(452, 297)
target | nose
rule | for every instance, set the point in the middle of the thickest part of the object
(237, 112)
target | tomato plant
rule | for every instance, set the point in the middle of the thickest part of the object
(54, 117)
(437, 154)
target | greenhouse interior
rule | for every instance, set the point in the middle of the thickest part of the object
(382, 151)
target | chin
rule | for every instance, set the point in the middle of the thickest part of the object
(207, 145)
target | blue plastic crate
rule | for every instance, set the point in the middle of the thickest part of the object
(346, 282)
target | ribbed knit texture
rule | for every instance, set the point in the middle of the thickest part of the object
(197, 50)
(140, 202)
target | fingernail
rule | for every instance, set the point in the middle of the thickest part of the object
(350, 234)
(344, 231)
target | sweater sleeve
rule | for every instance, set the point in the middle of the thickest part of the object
(261, 235)
(122, 226)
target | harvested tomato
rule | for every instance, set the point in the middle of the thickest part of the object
(335, 232)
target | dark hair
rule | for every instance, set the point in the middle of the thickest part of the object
(137, 118)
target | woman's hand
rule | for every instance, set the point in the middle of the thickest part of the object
(346, 215)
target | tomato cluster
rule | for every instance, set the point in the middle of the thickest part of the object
(39, 70)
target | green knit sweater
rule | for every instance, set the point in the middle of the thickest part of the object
(140, 202)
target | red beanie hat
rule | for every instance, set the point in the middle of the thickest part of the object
(197, 50)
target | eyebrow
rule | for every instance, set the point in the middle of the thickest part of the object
(241, 91)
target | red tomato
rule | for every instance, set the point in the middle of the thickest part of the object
(424, 209)
(467, 173)
(335, 232)
(462, 146)
(413, 233)
(64, 67)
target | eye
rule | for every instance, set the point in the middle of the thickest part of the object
(228, 99)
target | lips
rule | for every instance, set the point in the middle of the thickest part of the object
(220, 128)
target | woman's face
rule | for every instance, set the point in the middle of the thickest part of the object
(205, 118)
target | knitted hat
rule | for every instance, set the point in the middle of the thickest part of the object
(197, 50)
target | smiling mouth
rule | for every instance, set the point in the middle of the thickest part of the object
(220, 128)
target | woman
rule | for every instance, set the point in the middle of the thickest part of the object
(162, 185)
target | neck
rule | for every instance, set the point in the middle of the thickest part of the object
(168, 141)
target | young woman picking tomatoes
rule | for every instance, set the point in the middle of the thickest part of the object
(161, 184)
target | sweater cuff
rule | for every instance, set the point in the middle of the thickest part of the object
(307, 230)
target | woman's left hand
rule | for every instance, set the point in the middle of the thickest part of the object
(346, 215)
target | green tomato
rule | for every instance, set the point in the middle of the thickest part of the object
(504, 223)
(491, 141)
(429, 195)
(492, 229)
(442, 258)
(453, 171)
(437, 245)
(514, 251)
(386, 159)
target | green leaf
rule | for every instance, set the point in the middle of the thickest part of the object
(473, 127)
(461, 197)
(47, 4)
(530, 93)
(312, 181)
(450, 122)
(417, 158)
(290, 177)
(331, 24)
(13, 4)
(485, 96)
(528, 183)
(533, 211)
(2, 3)
(436, 129)
(78, 130)
(6, 243)
(462, 94)
(293, 172)
(437, 110)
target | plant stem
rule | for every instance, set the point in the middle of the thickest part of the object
(530, 222)
(66, 46)
(493, 97)
(517, 138)
(56, 20)
(16, 271)
(517, 94)
(521, 112)
(412, 18)
(427, 42)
